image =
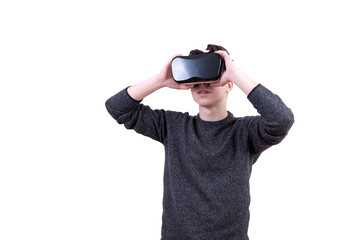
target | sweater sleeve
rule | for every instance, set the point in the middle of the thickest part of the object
(134, 115)
(274, 122)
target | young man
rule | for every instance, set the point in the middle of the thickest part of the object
(208, 157)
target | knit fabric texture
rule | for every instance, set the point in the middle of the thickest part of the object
(207, 164)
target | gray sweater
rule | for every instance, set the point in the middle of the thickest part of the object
(207, 164)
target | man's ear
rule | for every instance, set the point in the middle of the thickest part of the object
(230, 86)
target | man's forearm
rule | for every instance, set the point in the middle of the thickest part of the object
(141, 90)
(244, 82)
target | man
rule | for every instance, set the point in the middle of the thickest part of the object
(208, 157)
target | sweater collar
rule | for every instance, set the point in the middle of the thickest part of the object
(227, 119)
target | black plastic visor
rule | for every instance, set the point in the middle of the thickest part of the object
(199, 68)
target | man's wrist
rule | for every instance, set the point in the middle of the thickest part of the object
(141, 90)
(157, 82)
(245, 83)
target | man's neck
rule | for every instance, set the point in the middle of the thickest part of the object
(212, 114)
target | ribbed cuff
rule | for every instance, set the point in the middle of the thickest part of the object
(255, 92)
(126, 90)
(122, 100)
(262, 99)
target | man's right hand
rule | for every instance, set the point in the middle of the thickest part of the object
(167, 80)
(163, 79)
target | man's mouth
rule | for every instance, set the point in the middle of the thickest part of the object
(203, 91)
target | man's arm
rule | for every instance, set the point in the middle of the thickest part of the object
(274, 122)
(275, 118)
(126, 109)
(163, 79)
(235, 75)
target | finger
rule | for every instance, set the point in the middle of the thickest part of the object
(224, 55)
(183, 86)
(218, 83)
(176, 55)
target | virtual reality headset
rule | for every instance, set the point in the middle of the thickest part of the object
(201, 68)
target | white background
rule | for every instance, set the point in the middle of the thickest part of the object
(69, 171)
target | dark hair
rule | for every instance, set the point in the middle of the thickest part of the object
(210, 47)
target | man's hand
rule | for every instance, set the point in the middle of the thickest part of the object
(163, 79)
(235, 75)
(166, 78)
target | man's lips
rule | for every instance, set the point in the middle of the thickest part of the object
(203, 91)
